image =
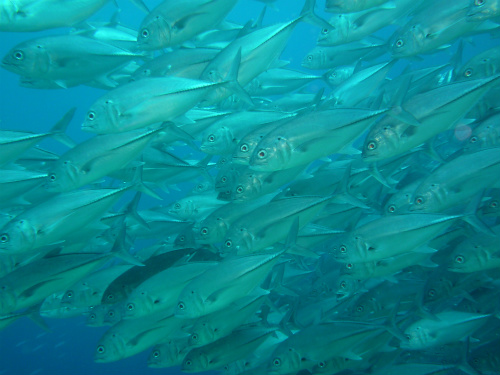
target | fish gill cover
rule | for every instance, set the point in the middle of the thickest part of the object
(249, 187)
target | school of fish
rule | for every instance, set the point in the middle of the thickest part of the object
(343, 217)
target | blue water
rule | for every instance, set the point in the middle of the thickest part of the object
(25, 348)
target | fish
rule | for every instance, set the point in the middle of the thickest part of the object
(295, 143)
(451, 326)
(174, 22)
(66, 58)
(97, 157)
(236, 278)
(428, 114)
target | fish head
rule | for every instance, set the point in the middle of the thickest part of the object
(68, 297)
(8, 300)
(65, 176)
(464, 261)
(190, 304)
(339, 75)
(416, 337)
(407, 42)
(185, 239)
(28, 59)
(210, 231)
(345, 250)
(248, 187)
(140, 305)
(113, 315)
(154, 33)
(398, 203)
(102, 117)
(156, 357)
(271, 155)
(95, 315)
(240, 241)
(436, 289)
(182, 208)
(226, 177)
(286, 359)
(218, 141)
(202, 334)
(428, 198)
(381, 142)
(195, 361)
(111, 347)
(245, 149)
(315, 59)
(17, 236)
(338, 33)
(347, 286)
(480, 10)
(491, 207)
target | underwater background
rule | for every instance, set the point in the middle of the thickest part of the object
(69, 346)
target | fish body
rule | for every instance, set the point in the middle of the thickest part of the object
(36, 15)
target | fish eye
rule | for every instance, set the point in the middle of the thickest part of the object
(399, 43)
(343, 284)
(188, 362)
(325, 31)
(391, 208)
(18, 55)
(194, 336)
(239, 189)
(110, 296)
(130, 306)
(156, 353)
(145, 33)
(419, 200)
(468, 72)
(244, 148)
(459, 259)
(349, 266)
(177, 205)
(408, 337)
(473, 139)
(360, 308)
(69, 294)
(101, 349)
(181, 306)
(321, 364)
(111, 313)
(53, 177)
(334, 75)
(277, 362)
(228, 243)
(211, 138)
(371, 145)
(478, 3)
(343, 249)
(182, 238)
(92, 316)
(4, 238)
(204, 230)
(494, 204)
(91, 116)
(262, 154)
(431, 292)
(310, 58)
